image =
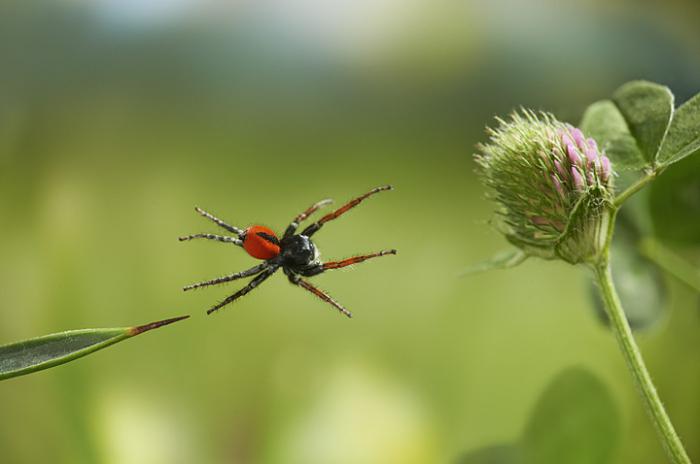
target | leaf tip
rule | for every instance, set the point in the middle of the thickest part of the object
(154, 325)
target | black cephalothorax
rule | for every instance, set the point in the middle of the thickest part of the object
(295, 253)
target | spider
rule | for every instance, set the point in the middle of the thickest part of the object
(295, 253)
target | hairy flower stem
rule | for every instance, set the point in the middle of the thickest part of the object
(635, 362)
(637, 186)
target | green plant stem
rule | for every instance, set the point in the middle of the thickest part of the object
(634, 188)
(635, 362)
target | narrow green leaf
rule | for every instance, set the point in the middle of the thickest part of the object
(503, 260)
(497, 454)
(575, 421)
(648, 110)
(683, 138)
(604, 122)
(40, 353)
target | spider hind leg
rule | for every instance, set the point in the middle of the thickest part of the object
(306, 285)
(260, 278)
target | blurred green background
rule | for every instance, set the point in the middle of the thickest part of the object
(117, 117)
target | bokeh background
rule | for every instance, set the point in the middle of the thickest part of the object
(117, 117)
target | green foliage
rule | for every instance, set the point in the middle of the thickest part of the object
(674, 204)
(639, 131)
(575, 421)
(639, 128)
(683, 137)
(648, 110)
(603, 121)
(36, 354)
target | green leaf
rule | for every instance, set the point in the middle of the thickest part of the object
(648, 110)
(683, 138)
(604, 122)
(497, 454)
(502, 260)
(675, 204)
(40, 353)
(575, 421)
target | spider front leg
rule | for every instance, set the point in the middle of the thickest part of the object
(296, 280)
(219, 222)
(245, 290)
(313, 228)
(297, 220)
(219, 238)
(238, 275)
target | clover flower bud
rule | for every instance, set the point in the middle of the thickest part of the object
(552, 184)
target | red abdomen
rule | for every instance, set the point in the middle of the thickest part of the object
(261, 242)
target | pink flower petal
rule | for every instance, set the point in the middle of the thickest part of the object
(606, 168)
(574, 156)
(560, 169)
(592, 144)
(557, 185)
(579, 138)
(578, 179)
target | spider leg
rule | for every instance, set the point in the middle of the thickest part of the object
(296, 280)
(313, 228)
(349, 261)
(245, 290)
(219, 222)
(220, 238)
(238, 275)
(297, 220)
